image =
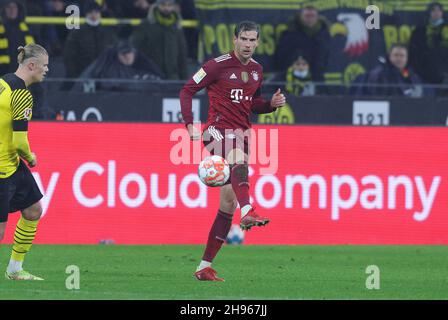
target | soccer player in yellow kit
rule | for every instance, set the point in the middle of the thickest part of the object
(18, 189)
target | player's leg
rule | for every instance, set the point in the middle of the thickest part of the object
(26, 198)
(218, 233)
(24, 235)
(239, 177)
(4, 207)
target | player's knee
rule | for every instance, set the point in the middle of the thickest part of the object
(236, 156)
(231, 206)
(34, 212)
(241, 171)
(2, 234)
(228, 205)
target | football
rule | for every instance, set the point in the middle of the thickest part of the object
(235, 235)
(214, 171)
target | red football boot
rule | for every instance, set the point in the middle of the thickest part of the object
(252, 219)
(207, 274)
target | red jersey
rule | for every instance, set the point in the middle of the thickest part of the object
(234, 91)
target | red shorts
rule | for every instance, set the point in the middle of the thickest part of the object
(221, 141)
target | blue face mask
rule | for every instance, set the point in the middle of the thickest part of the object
(437, 22)
(300, 74)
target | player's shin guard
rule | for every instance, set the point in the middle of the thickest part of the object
(217, 236)
(239, 179)
(23, 238)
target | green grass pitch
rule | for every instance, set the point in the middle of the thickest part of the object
(251, 272)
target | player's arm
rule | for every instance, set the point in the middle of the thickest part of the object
(201, 79)
(21, 107)
(260, 105)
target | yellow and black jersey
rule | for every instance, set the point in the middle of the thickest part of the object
(16, 106)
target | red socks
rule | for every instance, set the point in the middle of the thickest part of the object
(217, 235)
(239, 179)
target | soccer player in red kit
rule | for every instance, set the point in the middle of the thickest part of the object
(233, 82)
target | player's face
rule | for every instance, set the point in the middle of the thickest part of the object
(39, 68)
(245, 44)
(399, 58)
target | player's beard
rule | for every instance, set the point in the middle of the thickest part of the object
(247, 54)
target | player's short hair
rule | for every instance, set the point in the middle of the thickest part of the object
(399, 46)
(247, 26)
(30, 51)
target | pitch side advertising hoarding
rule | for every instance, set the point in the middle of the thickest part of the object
(138, 184)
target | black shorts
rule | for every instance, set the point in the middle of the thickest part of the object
(18, 191)
(221, 141)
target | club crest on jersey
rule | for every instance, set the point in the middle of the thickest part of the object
(244, 76)
(255, 75)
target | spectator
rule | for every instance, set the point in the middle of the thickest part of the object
(55, 35)
(188, 11)
(84, 45)
(429, 47)
(14, 32)
(108, 7)
(135, 9)
(307, 32)
(297, 78)
(122, 62)
(161, 38)
(393, 77)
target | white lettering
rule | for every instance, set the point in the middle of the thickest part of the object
(277, 191)
(427, 199)
(76, 185)
(141, 194)
(339, 203)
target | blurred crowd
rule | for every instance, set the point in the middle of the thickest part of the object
(155, 49)
(160, 48)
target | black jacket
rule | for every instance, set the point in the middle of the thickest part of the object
(392, 82)
(84, 45)
(312, 44)
(108, 66)
(428, 52)
(165, 45)
(13, 33)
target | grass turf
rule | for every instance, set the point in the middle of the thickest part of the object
(251, 272)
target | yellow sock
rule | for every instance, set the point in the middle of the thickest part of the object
(23, 238)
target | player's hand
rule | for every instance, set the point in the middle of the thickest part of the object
(278, 99)
(193, 132)
(33, 162)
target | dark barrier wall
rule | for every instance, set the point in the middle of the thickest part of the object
(140, 107)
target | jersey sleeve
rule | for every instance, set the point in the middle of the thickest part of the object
(21, 109)
(204, 77)
(259, 104)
